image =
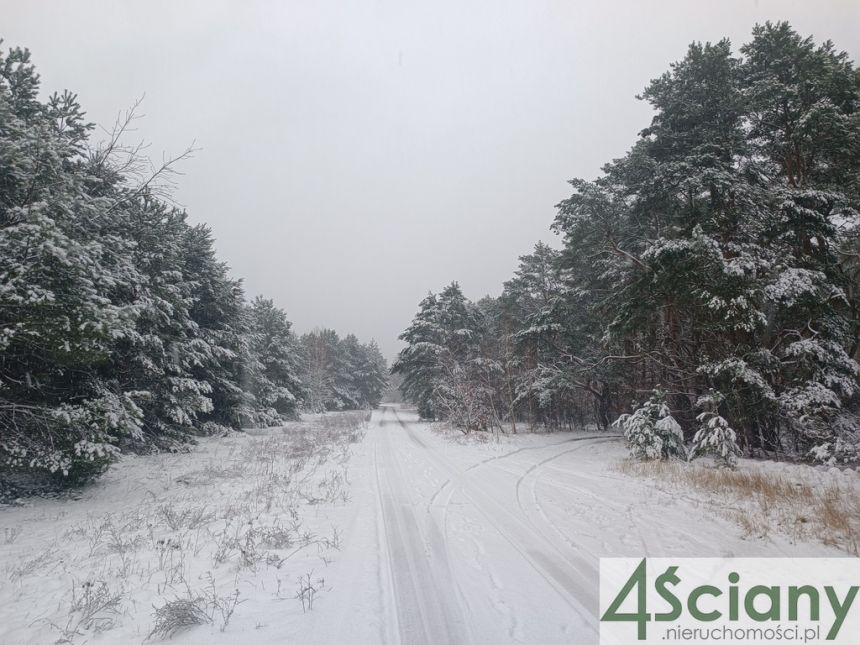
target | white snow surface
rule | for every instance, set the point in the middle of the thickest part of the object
(439, 539)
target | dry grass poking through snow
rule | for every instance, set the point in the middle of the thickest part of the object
(169, 543)
(801, 502)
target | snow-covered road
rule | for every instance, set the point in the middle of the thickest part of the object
(492, 495)
(498, 543)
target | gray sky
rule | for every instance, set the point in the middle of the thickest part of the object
(357, 154)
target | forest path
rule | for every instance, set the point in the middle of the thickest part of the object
(434, 557)
(458, 541)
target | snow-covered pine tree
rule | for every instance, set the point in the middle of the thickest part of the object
(272, 365)
(555, 342)
(348, 356)
(319, 355)
(651, 431)
(803, 111)
(418, 362)
(714, 436)
(57, 320)
(164, 360)
(442, 338)
(217, 311)
(371, 375)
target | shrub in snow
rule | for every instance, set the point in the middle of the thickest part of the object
(651, 431)
(836, 452)
(838, 443)
(714, 436)
(179, 614)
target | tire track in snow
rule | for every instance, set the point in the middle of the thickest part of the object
(386, 578)
(533, 547)
(417, 557)
(575, 550)
(484, 462)
(646, 528)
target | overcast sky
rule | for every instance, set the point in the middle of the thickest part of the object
(356, 154)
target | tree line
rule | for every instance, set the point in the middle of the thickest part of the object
(707, 284)
(120, 329)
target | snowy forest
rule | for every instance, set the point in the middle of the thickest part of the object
(707, 288)
(120, 329)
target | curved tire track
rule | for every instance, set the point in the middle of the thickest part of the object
(570, 577)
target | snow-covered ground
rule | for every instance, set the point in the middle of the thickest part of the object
(410, 535)
(219, 536)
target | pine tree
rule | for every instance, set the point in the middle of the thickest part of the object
(57, 323)
(550, 327)
(165, 360)
(441, 340)
(651, 431)
(714, 435)
(418, 362)
(318, 351)
(371, 375)
(218, 312)
(271, 372)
